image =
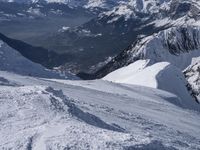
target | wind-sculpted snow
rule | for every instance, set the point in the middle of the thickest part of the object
(61, 114)
(75, 111)
(159, 75)
(32, 118)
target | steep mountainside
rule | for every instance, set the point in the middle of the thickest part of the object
(177, 45)
(126, 24)
(33, 22)
(13, 61)
(192, 74)
(39, 55)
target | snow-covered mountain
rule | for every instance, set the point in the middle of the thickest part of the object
(157, 9)
(59, 114)
(178, 46)
(122, 23)
(162, 75)
(104, 4)
(148, 99)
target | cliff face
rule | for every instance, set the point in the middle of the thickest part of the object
(192, 74)
(178, 46)
(181, 40)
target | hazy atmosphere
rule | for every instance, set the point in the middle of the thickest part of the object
(100, 74)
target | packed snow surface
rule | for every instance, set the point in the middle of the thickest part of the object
(59, 114)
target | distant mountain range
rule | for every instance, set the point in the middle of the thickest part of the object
(143, 54)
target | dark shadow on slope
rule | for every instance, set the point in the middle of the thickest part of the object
(30, 143)
(5, 82)
(154, 145)
(39, 55)
(177, 85)
(84, 116)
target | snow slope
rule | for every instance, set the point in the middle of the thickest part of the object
(13, 61)
(162, 58)
(161, 75)
(63, 114)
(178, 46)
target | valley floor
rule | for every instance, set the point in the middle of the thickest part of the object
(37, 114)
